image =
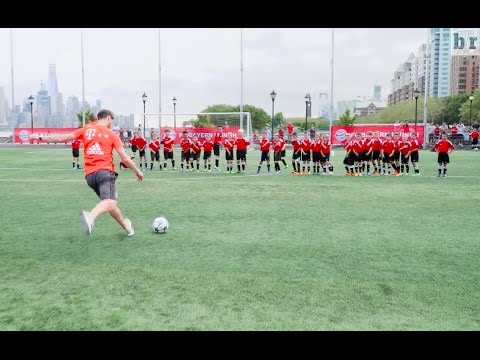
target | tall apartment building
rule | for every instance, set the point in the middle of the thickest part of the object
(464, 74)
(465, 61)
(440, 52)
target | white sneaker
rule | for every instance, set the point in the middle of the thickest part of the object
(86, 222)
(130, 231)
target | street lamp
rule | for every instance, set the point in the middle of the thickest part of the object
(31, 114)
(416, 94)
(471, 99)
(307, 103)
(174, 115)
(144, 98)
(273, 95)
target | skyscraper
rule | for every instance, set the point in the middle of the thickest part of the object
(52, 80)
(43, 100)
(323, 105)
(440, 50)
(73, 106)
(377, 92)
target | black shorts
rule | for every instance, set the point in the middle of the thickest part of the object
(404, 159)
(375, 154)
(414, 156)
(75, 152)
(194, 156)
(306, 156)
(474, 141)
(296, 155)
(357, 158)
(242, 155)
(396, 156)
(283, 153)
(155, 155)
(316, 156)
(325, 158)
(367, 157)
(348, 161)
(185, 155)
(277, 156)
(103, 183)
(207, 155)
(141, 152)
(387, 159)
(443, 158)
(168, 154)
(265, 156)
(216, 149)
(228, 155)
(134, 148)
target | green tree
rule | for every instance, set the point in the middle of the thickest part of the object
(450, 112)
(346, 119)
(88, 112)
(278, 119)
(465, 109)
(259, 117)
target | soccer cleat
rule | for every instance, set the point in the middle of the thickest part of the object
(86, 221)
(129, 230)
(293, 172)
(438, 175)
(285, 167)
(444, 175)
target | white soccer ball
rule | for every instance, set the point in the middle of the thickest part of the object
(160, 224)
(475, 149)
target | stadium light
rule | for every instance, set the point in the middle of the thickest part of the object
(416, 94)
(31, 114)
(144, 98)
(174, 115)
(471, 100)
(273, 95)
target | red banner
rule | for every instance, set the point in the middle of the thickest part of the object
(201, 132)
(339, 132)
(21, 134)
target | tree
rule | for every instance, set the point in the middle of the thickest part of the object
(278, 119)
(346, 119)
(465, 109)
(450, 112)
(259, 117)
(88, 113)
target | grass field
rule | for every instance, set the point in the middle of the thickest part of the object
(243, 252)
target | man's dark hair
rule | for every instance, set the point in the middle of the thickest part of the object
(92, 118)
(185, 132)
(103, 114)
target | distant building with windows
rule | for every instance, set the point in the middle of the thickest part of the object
(366, 108)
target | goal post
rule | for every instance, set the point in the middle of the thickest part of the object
(200, 123)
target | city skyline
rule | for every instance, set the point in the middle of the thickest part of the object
(201, 67)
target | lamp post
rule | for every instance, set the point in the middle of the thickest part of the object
(307, 103)
(273, 95)
(471, 100)
(144, 98)
(174, 115)
(31, 114)
(416, 94)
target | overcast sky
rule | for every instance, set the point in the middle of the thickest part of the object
(201, 67)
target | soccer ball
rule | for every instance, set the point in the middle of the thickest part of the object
(475, 149)
(160, 224)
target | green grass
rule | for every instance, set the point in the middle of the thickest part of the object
(243, 252)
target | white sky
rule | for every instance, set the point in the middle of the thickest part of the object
(201, 67)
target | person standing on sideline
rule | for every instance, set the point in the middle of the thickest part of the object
(414, 146)
(443, 147)
(76, 152)
(217, 143)
(168, 143)
(98, 143)
(290, 129)
(141, 145)
(265, 145)
(154, 145)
